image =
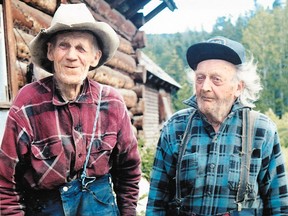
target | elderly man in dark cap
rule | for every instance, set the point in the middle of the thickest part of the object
(68, 145)
(219, 157)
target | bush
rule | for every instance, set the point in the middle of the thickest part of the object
(282, 126)
(147, 157)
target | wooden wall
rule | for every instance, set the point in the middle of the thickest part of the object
(151, 115)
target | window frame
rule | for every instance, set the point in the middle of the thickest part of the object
(9, 52)
(4, 94)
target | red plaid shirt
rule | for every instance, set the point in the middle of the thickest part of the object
(46, 140)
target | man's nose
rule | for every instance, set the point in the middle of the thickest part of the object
(206, 85)
(71, 54)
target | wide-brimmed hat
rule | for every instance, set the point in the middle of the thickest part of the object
(216, 48)
(73, 17)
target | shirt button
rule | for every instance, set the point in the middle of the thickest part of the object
(65, 188)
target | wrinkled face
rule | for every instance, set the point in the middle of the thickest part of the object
(216, 87)
(72, 54)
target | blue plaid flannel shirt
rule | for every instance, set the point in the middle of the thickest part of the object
(210, 167)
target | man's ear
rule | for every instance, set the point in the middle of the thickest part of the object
(96, 59)
(240, 88)
(49, 52)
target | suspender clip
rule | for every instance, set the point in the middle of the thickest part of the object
(239, 206)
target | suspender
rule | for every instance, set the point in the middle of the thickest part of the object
(247, 137)
(249, 118)
(182, 147)
(84, 178)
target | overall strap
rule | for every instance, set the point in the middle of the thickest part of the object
(84, 178)
(182, 148)
(247, 139)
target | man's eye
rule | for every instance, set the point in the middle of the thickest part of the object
(217, 80)
(63, 45)
(199, 79)
(82, 50)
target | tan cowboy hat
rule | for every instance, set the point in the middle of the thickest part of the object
(73, 17)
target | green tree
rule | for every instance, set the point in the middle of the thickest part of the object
(266, 36)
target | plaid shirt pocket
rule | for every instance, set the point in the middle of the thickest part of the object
(49, 163)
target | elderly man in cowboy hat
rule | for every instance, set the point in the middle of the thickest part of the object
(68, 145)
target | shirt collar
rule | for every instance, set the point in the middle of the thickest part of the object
(192, 102)
(86, 95)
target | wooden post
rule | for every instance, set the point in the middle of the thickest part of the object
(10, 49)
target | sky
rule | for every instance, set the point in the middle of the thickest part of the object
(196, 15)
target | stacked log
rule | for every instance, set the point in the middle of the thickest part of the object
(139, 108)
(21, 68)
(48, 6)
(28, 18)
(123, 62)
(109, 76)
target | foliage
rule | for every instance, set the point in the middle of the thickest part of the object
(183, 93)
(147, 158)
(282, 126)
(266, 36)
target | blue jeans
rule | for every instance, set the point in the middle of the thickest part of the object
(96, 199)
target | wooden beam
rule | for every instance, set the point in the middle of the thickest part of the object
(28, 18)
(129, 96)
(112, 77)
(47, 6)
(10, 49)
(156, 11)
(139, 40)
(138, 20)
(115, 3)
(139, 108)
(138, 121)
(123, 62)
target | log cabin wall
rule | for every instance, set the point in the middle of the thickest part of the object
(123, 71)
(151, 115)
